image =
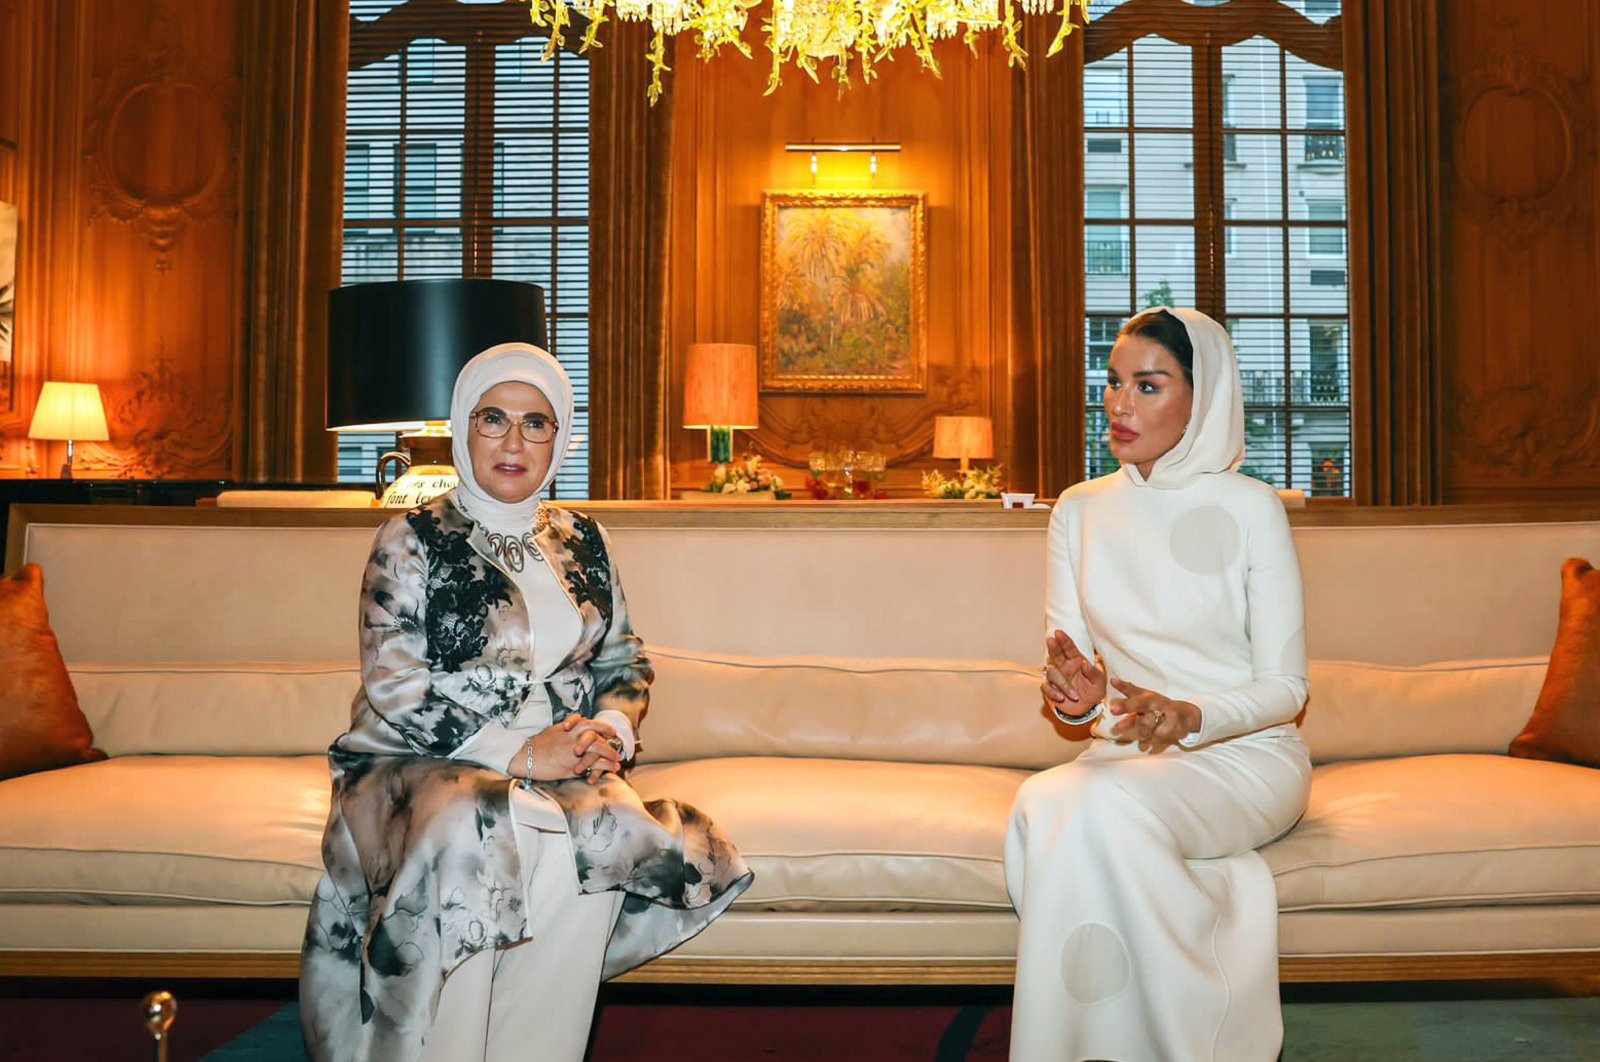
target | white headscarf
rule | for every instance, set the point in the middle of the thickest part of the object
(506, 363)
(1214, 440)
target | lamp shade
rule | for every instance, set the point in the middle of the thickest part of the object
(394, 348)
(69, 411)
(719, 387)
(963, 437)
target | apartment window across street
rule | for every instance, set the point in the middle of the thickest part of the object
(1235, 204)
(1108, 252)
(467, 155)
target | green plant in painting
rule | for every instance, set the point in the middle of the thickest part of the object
(843, 280)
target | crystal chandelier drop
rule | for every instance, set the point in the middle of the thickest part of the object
(854, 34)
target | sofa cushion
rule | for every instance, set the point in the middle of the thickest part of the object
(1363, 711)
(216, 709)
(854, 834)
(166, 830)
(1565, 725)
(946, 711)
(41, 725)
(1439, 830)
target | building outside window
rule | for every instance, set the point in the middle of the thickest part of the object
(467, 155)
(1235, 204)
(1107, 244)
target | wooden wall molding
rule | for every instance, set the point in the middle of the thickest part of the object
(171, 425)
(160, 149)
(1518, 376)
(128, 139)
(1518, 198)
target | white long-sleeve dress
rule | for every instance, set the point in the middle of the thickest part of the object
(1149, 923)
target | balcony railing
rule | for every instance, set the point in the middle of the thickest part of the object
(1323, 147)
(1265, 387)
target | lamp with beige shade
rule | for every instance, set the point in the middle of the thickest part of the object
(964, 438)
(69, 411)
(719, 393)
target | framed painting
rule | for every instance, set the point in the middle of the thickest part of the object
(844, 292)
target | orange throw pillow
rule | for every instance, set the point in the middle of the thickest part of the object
(41, 726)
(1565, 724)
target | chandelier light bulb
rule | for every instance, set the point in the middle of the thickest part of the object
(803, 34)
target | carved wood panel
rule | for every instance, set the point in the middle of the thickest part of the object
(1520, 360)
(127, 164)
(728, 146)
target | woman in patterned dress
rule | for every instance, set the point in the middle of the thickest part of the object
(487, 865)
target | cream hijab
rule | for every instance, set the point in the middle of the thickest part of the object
(506, 363)
(1214, 440)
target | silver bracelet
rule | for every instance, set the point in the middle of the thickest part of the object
(1078, 720)
(530, 759)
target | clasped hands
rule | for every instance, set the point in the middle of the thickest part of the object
(575, 747)
(1074, 684)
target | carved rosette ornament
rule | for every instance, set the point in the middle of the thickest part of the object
(159, 149)
(1517, 194)
(166, 426)
(900, 428)
(1514, 429)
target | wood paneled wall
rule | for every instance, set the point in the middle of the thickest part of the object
(1519, 396)
(126, 118)
(127, 130)
(955, 138)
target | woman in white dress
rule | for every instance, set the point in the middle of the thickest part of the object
(1149, 922)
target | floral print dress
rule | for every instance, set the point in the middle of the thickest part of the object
(420, 849)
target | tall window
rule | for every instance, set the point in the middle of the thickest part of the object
(1233, 158)
(466, 155)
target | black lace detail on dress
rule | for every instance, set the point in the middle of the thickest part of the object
(461, 590)
(589, 575)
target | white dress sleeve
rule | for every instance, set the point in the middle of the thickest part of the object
(1062, 606)
(1277, 630)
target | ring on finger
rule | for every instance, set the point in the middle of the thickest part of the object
(1161, 717)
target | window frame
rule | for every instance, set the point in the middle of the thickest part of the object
(482, 31)
(1205, 31)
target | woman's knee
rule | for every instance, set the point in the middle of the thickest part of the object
(1071, 791)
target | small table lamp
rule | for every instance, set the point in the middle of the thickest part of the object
(69, 411)
(963, 437)
(719, 393)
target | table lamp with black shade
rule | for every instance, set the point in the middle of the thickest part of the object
(394, 349)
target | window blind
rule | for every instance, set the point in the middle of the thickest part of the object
(1214, 177)
(468, 155)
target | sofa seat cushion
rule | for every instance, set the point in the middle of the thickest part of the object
(1431, 831)
(854, 834)
(166, 830)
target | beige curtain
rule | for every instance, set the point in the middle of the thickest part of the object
(295, 54)
(1392, 104)
(1048, 302)
(630, 152)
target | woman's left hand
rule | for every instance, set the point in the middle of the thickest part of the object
(1156, 722)
(593, 754)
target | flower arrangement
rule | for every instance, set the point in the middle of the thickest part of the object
(746, 475)
(970, 485)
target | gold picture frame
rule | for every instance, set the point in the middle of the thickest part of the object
(844, 292)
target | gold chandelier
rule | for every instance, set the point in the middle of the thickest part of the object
(855, 34)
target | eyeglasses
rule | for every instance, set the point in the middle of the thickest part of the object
(492, 423)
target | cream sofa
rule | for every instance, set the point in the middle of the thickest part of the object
(849, 691)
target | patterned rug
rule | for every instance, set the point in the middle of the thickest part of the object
(1414, 1030)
